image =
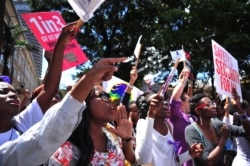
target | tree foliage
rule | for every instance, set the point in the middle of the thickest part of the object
(166, 26)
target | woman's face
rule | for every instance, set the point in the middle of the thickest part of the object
(207, 108)
(163, 112)
(102, 109)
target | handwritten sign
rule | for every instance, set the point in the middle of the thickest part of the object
(226, 69)
(47, 26)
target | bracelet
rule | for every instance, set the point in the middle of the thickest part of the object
(126, 140)
(130, 86)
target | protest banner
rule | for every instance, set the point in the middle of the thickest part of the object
(226, 71)
(116, 88)
(85, 8)
(46, 27)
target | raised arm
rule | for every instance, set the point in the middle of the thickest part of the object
(47, 135)
(178, 90)
(126, 95)
(53, 76)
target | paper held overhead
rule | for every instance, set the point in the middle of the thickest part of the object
(85, 8)
(137, 50)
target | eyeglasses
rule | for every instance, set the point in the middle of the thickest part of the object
(210, 104)
(104, 96)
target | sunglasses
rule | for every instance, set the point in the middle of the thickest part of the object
(104, 96)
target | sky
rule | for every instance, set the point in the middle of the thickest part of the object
(66, 78)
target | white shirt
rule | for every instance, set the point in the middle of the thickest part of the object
(152, 147)
(38, 143)
(23, 121)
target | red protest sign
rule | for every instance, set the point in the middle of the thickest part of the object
(46, 26)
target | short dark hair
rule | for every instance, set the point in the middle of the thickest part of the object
(142, 104)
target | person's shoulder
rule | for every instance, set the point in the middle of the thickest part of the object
(190, 126)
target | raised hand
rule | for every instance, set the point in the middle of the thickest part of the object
(133, 75)
(103, 70)
(124, 125)
(68, 33)
(224, 132)
(155, 105)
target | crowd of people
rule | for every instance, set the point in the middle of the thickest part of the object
(85, 127)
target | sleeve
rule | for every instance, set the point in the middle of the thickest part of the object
(234, 130)
(237, 131)
(144, 141)
(226, 120)
(174, 108)
(28, 117)
(192, 136)
(37, 144)
(184, 157)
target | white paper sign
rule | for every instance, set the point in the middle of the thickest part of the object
(226, 69)
(85, 8)
(137, 50)
(178, 54)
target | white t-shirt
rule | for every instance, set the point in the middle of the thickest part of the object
(152, 147)
(38, 143)
(8, 136)
(242, 157)
(23, 121)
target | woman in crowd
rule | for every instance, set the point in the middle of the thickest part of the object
(95, 141)
(155, 144)
(180, 112)
(212, 133)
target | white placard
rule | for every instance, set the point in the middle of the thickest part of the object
(85, 8)
(226, 71)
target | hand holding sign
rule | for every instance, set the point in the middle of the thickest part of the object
(169, 78)
(85, 9)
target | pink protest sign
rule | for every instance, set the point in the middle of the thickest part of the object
(46, 27)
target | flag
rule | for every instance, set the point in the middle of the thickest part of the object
(116, 88)
(85, 8)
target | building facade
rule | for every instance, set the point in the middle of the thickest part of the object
(21, 63)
